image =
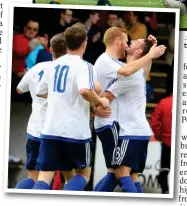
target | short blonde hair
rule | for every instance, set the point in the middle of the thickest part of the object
(112, 34)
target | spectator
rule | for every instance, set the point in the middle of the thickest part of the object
(150, 20)
(19, 55)
(44, 54)
(64, 22)
(112, 19)
(20, 47)
(94, 46)
(161, 121)
(34, 47)
(137, 29)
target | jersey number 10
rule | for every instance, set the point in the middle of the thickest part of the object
(60, 78)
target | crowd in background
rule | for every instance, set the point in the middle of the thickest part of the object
(31, 45)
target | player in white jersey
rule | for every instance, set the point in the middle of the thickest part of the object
(135, 131)
(107, 68)
(39, 105)
(66, 137)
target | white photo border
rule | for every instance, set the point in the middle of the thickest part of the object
(8, 102)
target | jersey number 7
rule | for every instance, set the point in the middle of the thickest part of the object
(60, 78)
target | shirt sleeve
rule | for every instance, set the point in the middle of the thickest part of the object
(120, 86)
(85, 78)
(23, 86)
(112, 68)
(42, 87)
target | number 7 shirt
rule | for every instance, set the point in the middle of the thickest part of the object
(68, 114)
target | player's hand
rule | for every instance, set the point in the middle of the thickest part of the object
(98, 88)
(104, 103)
(96, 37)
(153, 39)
(101, 112)
(157, 51)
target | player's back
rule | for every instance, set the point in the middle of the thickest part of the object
(36, 74)
(29, 83)
(67, 113)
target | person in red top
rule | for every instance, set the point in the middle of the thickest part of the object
(161, 121)
(20, 46)
(20, 53)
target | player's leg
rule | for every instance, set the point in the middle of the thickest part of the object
(81, 157)
(109, 141)
(165, 167)
(142, 156)
(55, 2)
(126, 160)
(125, 181)
(137, 182)
(33, 174)
(68, 175)
(49, 161)
(32, 150)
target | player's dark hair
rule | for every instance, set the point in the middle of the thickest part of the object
(75, 36)
(58, 45)
(147, 46)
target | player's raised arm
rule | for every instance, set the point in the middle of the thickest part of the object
(134, 66)
(147, 68)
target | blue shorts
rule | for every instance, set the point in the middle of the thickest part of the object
(60, 155)
(109, 141)
(132, 153)
(32, 150)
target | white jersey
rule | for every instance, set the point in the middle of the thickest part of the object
(68, 114)
(29, 82)
(131, 95)
(105, 72)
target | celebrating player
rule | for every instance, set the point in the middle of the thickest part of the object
(107, 68)
(39, 105)
(135, 131)
(66, 137)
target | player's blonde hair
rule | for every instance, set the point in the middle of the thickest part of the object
(112, 34)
